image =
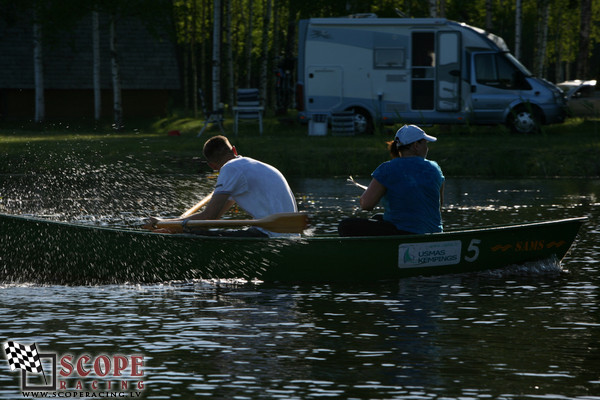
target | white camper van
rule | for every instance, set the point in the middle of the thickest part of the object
(417, 70)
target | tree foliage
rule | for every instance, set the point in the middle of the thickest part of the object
(254, 44)
(559, 60)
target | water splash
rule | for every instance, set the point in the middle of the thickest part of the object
(107, 195)
(550, 267)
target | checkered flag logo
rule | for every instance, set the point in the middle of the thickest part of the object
(23, 357)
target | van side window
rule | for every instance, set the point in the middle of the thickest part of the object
(485, 69)
(495, 70)
(423, 51)
(389, 58)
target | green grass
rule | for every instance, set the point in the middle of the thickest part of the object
(571, 149)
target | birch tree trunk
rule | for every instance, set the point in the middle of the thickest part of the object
(230, 72)
(583, 59)
(518, 28)
(489, 14)
(276, 53)
(116, 76)
(96, 65)
(433, 8)
(558, 73)
(289, 49)
(185, 52)
(38, 67)
(202, 54)
(265, 53)
(185, 77)
(193, 61)
(249, 46)
(216, 58)
(542, 38)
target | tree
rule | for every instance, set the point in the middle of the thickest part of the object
(265, 51)
(249, 44)
(518, 28)
(193, 58)
(229, 57)
(216, 58)
(116, 74)
(542, 37)
(38, 65)
(489, 14)
(96, 64)
(433, 8)
(583, 64)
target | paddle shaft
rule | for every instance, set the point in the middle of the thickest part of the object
(198, 206)
(351, 179)
(280, 223)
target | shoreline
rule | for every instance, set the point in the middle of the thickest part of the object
(568, 150)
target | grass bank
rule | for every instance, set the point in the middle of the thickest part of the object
(571, 149)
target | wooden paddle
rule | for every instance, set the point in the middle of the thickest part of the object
(198, 206)
(280, 223)
(351, 180)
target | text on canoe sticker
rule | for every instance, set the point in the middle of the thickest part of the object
(429, 254)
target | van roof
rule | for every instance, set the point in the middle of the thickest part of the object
(494, 40)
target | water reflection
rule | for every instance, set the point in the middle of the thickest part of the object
(426, 337)
(491, 335)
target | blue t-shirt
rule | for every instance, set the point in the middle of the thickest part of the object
(412, 198)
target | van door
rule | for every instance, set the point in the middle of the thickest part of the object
(448, 71)
(423, 71)
(323, 88)
(495, 84)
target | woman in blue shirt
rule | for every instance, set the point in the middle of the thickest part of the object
(410, 188)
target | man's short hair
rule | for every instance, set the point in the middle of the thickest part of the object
(216, 148)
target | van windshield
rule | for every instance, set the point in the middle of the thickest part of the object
(518, 64)
(500, 70)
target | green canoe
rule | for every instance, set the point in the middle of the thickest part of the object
(40, 251)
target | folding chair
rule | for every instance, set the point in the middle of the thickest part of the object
(342, 123)
(248, 107)
(214, 117)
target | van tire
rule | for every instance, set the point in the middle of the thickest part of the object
(363, 123)
(524, 119)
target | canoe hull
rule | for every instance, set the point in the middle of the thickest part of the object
(40, 251)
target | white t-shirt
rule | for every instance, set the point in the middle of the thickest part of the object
(258, 188)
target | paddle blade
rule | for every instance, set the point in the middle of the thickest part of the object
(284, 222)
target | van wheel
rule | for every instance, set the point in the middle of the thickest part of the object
(524, 119)
(363, 124)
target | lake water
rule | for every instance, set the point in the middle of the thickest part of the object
(501, 335)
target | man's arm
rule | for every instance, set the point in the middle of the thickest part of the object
(216, 207)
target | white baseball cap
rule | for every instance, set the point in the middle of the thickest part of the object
(411, 133)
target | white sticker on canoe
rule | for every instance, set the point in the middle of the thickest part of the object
(429, 254)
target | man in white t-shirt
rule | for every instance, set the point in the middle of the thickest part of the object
(258, 188)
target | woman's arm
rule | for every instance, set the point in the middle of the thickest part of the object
(369, 199)
(442, 196)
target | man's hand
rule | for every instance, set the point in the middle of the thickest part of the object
(150, 224)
